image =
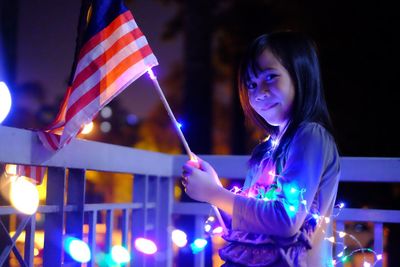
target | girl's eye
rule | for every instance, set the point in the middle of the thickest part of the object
(270, 77)
(251, 85)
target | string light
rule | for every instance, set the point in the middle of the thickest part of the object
(77, 249)
(145, 246)
(342, 256)
(5, 101)
(179, 238)
(295, 200)
(120, 255)
(198, 245)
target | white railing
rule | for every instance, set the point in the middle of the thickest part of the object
(150, 212)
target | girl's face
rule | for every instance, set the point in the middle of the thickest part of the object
(271, 92)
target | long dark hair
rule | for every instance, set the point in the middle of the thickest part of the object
(298, 54)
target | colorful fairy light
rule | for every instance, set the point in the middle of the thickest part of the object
(295, 195)
(198, 245)
(24, 195)
(145, 246)
(179, 238)
(77, 249)
(294, 201)
(120, 255)
(87, 128)
(5, 101)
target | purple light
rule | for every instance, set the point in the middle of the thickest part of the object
(151, 74)
(145, 246)
(217, 230)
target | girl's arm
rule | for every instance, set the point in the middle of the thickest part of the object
(312, 165)
(311, 152)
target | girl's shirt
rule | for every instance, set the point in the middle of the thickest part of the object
(283, 207)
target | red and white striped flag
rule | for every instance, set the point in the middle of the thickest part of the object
(111, 58)
(113, 54)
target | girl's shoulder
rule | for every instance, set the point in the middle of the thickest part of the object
(312, 131)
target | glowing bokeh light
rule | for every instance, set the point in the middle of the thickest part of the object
(120, 255)
(23, 195)
(11, 169)
(179, 238)
(106, 112)
(145, 246)
(379, 257)
(77, 249)
(367, 264)
(198, 245)
(105, 126)
(5, 101)
(218, 230)
(87, 128)
(35, 252)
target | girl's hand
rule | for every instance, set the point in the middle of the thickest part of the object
(200, 180)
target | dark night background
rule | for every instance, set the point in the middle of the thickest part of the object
(358, 46)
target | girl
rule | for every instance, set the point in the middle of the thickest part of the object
(279, 218)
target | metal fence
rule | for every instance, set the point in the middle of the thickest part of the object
(150, 212)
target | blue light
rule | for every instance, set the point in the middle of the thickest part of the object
(77, 249)
(5, 101)
(198, 245)
(179, 125)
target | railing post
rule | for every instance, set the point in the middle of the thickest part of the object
(139, 216)
(75, 197)
(92, 221)
(109, 230)
(30, 241)
(378, 241)
(199, 258)
(163, 224)
(53, 225)
(152, 217)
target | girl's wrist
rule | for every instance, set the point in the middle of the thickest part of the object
(222, 198)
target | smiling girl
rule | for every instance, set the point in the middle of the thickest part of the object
(292, 180)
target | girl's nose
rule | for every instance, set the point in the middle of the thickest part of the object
(262, 93)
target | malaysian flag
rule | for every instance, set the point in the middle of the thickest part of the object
(111, 53)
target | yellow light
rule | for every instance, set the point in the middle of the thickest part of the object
(24, 195)
(342, 234)
(35, 252)
(177, 192)
(87, 128)
(11, 169)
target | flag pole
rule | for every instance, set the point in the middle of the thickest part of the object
(181, 136)
(171, 114)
